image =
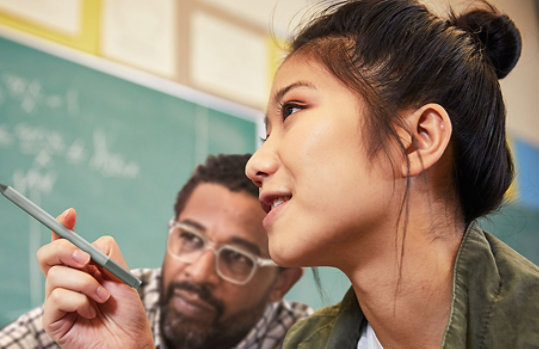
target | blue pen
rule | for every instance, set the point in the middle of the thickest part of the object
(46, 219)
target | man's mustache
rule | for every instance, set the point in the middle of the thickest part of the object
(201, 290)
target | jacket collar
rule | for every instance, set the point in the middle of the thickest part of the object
(346, 332)
(476, 282)
(495, 302)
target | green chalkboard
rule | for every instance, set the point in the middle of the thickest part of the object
(116, 150)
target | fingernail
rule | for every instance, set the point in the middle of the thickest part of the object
(81, 257)
(63, 214)
(67, 213)
(91, 313)
(102, 293)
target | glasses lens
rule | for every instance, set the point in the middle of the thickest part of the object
(235, 264)
(185, 244)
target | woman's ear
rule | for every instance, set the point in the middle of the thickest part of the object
(427, 138)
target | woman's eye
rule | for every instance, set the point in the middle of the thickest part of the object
(290, 108)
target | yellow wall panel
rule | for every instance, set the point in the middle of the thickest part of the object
(86, 39)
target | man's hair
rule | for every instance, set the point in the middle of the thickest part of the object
(227, 170)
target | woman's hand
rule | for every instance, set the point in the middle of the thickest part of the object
(85, 306)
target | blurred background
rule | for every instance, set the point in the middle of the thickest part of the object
(106, 106)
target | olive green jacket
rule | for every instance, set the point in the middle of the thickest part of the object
(495, 303)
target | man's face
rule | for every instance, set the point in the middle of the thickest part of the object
(199, 308)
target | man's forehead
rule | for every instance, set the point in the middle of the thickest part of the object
(225, 216)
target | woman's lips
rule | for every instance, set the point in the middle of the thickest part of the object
(270, 201)
(275, 207)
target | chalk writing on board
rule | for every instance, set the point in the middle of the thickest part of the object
(32, 96)
(110, 164)
(34, 180)
(6, 139)
(76, 152)
(45, 146)
(38, 141)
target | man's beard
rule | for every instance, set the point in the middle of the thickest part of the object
(180, 331)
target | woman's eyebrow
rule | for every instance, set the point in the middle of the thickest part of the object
(283, 91)
(279, 94)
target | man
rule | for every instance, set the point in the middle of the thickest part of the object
(217, 287)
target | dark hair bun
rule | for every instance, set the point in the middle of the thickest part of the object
(498, 35)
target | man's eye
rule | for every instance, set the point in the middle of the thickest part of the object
(290, 108)
(235, 259)
(190, 240)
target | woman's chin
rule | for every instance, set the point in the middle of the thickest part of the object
(285, 255)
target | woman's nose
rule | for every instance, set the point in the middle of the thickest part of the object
(261, 165)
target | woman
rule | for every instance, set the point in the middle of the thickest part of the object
(385, 142)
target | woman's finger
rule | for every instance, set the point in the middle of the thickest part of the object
(67, 218)
(61, 252)
(62, 302)
(61, 277)
(108, 246)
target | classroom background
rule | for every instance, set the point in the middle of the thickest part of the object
(106, 106)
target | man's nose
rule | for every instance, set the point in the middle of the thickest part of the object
(203, 269)
(262, 164)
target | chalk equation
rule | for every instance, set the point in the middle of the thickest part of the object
(45, 147)
(31, 95)
(109, 164)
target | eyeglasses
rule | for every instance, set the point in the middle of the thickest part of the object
(232, 263)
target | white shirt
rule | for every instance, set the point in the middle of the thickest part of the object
(368, 339)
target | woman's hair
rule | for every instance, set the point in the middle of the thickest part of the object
(398, 55)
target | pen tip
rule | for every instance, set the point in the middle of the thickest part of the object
(3, 187)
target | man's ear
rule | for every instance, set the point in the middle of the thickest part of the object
(286, 278)
(427, 138)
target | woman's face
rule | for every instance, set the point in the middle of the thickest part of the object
(321, 192)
